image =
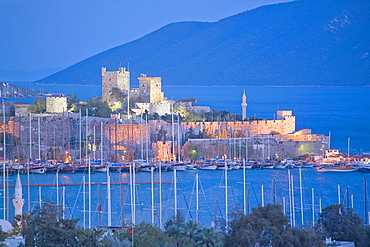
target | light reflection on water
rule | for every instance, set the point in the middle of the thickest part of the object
(211, 194)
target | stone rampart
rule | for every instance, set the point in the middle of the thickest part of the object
(243, 128)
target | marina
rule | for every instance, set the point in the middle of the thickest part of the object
(263, 186)
(265, 182)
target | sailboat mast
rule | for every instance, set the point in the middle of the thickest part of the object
(197, 198)
(152, 190)
(4, 175)
(131, 196)
(160, 196)
(101, 143)
(63, 202)
(109, 200)
(339, 194)
(290, 198)
(263, 196)
(84, 201)
(301, 195)
(313, 207)
(94, 148)
(40, 197)
(348, 149)
(57, 185)
(175, 192)
(226, 201)
(244, 190)
(28, 172)
(293, 204)
(80, 134)
(39, 136)
(86, 130)
(173, 133)
(134, 189)
(89, 191)
(178, 138)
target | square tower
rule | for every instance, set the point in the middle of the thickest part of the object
(151, 88)
(119, 79)
(56, 104)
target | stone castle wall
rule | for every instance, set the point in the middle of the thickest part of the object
(119, 79)
(242, 128)
(56, 104)
(151, 88)
(121, 134)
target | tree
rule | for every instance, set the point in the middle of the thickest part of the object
(116, 94)
(72, 100)
(192, 100)
(96, 107)
(192, 151)
(144, 234)
(193, 117)
(39, 105)
(267, 226)
(340, 223)
(207, 237)
(45, 227)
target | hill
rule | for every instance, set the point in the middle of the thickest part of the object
(304, 42)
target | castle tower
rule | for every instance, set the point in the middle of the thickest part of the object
(151, 88)
(119, 79)
(18, 201)
(56, 104)
(244, 106)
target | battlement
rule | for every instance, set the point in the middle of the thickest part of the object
(284, 114)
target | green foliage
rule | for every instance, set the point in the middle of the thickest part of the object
(193, 117)
(192, 100)
(267, 226)
(39, 105)
(192, 151)
(340, 223)
(72, 100)
(191, 234)
(3, 235)
(95, 106)
(216, 115)
(116, 94)
(45, 227)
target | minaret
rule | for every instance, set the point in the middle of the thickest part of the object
(244, 106)
(18, 201)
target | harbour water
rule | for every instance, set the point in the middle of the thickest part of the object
(342, 111)
(318, 188)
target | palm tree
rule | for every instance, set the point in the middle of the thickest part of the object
(192, 228)
(207, 237)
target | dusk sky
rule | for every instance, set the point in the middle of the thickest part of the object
(40, 37)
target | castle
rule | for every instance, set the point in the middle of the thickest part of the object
(59, 130)
(150, 91)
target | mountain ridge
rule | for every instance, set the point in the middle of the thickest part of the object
(271, 45)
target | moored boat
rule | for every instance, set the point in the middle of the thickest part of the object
(178, 166)
(37, 169)
(338, 168)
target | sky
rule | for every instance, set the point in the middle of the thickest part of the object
(40, 37)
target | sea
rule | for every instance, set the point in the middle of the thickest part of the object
(341, 112)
